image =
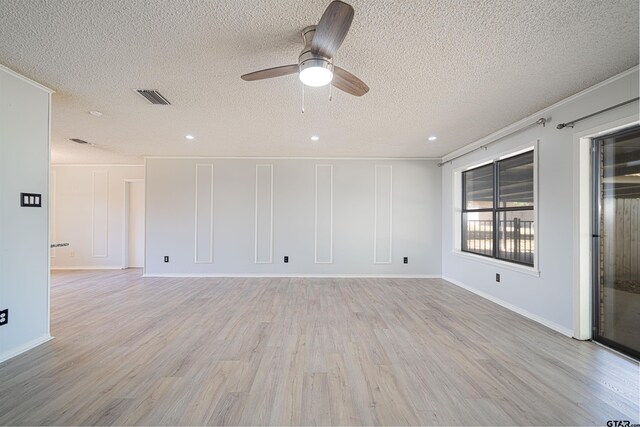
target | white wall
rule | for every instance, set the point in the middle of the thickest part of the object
(88, 212)
(228, 208)
(549, 297)
(24, 240)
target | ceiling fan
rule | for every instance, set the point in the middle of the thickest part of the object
(315, 63)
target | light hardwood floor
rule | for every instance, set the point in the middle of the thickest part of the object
(133, 350)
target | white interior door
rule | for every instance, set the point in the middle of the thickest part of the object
(136, 224)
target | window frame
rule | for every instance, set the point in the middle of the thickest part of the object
(459, 208)
(491, 210)
(499, 210)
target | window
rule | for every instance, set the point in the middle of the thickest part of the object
(498, 209)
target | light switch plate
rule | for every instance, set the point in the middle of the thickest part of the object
(30, 200)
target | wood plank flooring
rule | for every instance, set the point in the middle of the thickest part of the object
(282, 351)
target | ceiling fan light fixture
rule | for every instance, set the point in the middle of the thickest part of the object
(316, 72)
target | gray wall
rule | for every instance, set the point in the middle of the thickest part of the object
(549, 297)
(245, 220)
(24, 252)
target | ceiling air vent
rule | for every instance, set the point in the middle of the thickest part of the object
(153, 96)
(80, 141)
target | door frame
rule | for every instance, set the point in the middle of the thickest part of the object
(125, 221)
(582, 223)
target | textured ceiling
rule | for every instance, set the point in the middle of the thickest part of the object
(456, 69)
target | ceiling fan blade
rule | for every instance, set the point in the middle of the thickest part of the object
(347, 82)
(271, 72)
(332, 29)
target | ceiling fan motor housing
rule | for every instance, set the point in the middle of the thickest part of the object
(308, 59)
(307, 35)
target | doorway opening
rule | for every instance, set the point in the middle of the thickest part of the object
(134, 226)
(616, 240)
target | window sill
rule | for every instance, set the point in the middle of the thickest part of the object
(531, 271)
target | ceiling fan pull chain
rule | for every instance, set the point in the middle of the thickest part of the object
(303, 99)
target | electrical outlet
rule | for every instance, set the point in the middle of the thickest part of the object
(4, 316)
(286, 259)
(166, 258)
(405, 260)
(498, 277)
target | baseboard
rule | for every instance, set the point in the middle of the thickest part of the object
(108, 267)
(25, 347)
(514, 308)
(328, 276)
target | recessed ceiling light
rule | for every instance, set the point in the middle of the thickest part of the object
(95, 113)
(432, 138)
(315, 138)
(190, 137)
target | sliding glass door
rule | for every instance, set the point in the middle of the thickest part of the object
(616, 240)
